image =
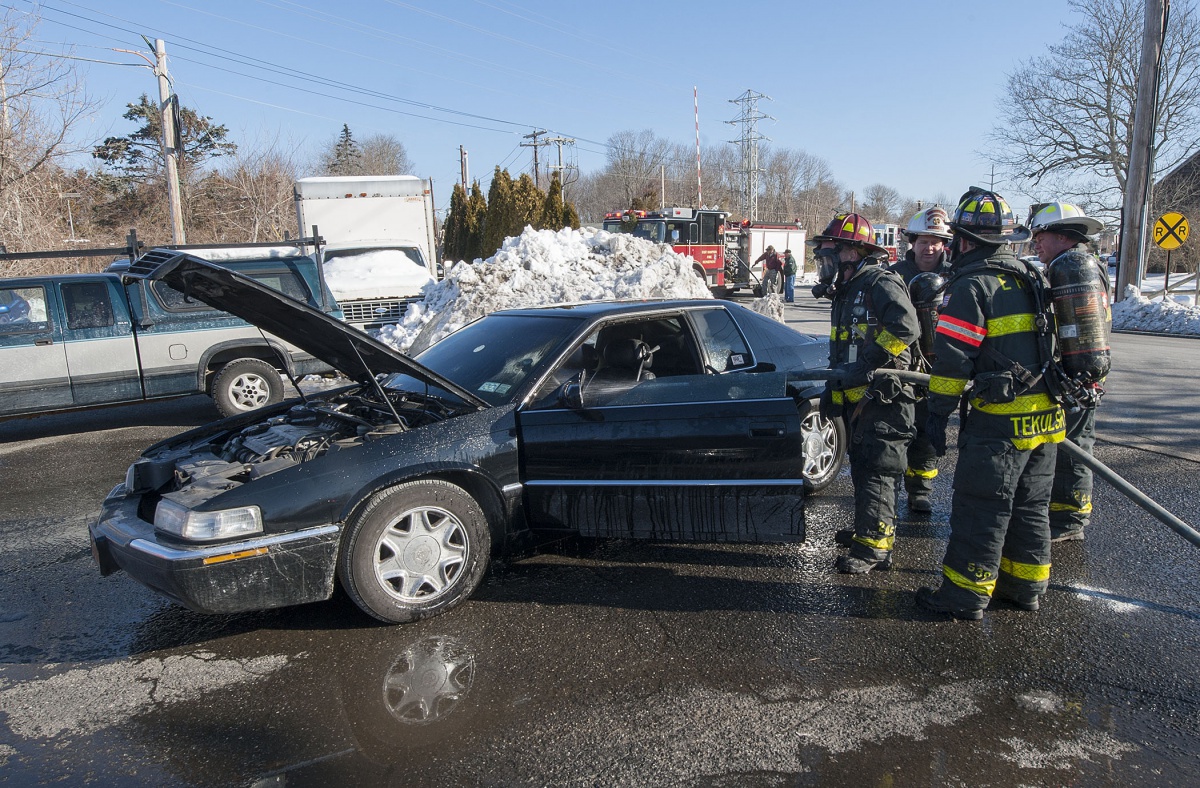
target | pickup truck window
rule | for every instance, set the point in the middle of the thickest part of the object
(23, 309)
(290, 283)
(88, 305)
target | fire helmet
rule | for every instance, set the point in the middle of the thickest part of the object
(985, 217)
(1061, 217)
(850, 228)
(931, 221)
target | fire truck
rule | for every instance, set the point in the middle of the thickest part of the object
(888, 236)
(746, 242)
(698, 233)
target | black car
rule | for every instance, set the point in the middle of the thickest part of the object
(672, 420)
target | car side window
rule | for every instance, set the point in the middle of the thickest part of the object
(23, 309)
(87, 305)
(724, 346)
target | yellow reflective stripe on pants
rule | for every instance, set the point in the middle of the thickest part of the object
(885, 543)
(1069, 507)
(984, 588)
(888, 341)
(1031, 572)
(920, 474)
(951, 387)
(1029, 444)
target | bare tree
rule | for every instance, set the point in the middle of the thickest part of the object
(42, 101)
(881, 203)
(258, 184)
(383, 154)
(1069, 112)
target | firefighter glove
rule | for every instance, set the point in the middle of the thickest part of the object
(935, 429)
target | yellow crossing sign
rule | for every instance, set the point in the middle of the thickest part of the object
(1171, 230)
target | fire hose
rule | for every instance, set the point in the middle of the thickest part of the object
(1100, 469)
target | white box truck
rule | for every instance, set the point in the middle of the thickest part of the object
(380, 249)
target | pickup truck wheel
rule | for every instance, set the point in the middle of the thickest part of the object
(244, 385)
(414, 551)
(824, 447)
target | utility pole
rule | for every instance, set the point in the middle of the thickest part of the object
(748, 145)
(170, 138)
(560, 168)
(462, 164)
(1137, 178)
(535, 145)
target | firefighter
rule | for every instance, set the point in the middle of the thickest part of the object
(1061, 234)
(873, 324)
(988, 336)
(928, 232)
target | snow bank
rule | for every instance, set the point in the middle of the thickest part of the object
(543, 267)
(1137, 313)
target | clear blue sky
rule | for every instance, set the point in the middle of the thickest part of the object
(897, 93)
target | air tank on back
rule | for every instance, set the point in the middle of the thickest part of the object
(1078, 289)
(925, 289)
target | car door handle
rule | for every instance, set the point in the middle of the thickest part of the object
(43, 342)
(768, 429)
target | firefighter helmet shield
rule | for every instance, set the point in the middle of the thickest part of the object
(984, 216)
(1063, 218)
(850, 228)
(931, 221)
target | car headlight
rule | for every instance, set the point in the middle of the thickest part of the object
(185, 523)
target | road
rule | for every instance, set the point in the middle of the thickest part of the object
(618, 662)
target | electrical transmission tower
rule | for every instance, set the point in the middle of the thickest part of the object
(748, 146)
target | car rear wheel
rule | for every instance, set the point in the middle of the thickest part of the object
(824, 447)
(414, 551)
(244, 385)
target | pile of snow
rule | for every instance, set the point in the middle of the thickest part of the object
(374, 274)
(543, 267)
(1137, 313)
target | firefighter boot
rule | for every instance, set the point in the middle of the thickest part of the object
(929, 599)
(1028, 604)
(920, 501)
(857, 565)
(844, 537)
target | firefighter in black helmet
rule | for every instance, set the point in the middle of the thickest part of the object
(873, 325)
(989, 336)
(1061, 233)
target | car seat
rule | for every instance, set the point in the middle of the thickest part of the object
(624, 361)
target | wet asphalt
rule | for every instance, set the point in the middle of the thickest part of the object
(619, 663)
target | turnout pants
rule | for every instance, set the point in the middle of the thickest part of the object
(922, 459)
(999, 525)
(1071, 497)
(879, 436)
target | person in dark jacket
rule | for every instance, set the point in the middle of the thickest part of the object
(772, 270)
(987, 336)
(873, 325)
(928, 232)
(1061, 229)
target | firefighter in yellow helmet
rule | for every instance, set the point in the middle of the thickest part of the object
(928, 233)
(873, 325)
(1061, 233)
(989, 336)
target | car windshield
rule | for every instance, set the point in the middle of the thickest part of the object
(494, 357)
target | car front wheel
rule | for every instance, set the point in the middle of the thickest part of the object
(244, 385)
(414, 551)
(824, 447)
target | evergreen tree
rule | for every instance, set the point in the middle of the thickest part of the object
(138, 157)
(570, 216)
(346, 157)
(476, 221)
(527, 200)
(552, 208)
(454, 228)
(501, 213)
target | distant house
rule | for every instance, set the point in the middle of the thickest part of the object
(1179, 191)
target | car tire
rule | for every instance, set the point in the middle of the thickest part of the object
(245, 385)
(414, 551)
(824, 448)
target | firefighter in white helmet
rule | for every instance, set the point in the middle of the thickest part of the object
(1061, 233)
(928, 233)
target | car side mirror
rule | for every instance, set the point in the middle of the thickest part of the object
(571, 396)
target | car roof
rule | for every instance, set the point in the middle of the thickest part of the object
(598, 309)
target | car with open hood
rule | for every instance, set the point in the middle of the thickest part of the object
(670, 420)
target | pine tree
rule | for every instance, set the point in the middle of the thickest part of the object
(527, 203)
(570, 216)
(501, 212)
(552, 208)
(476, 222)
(346, 158)
(454, 228)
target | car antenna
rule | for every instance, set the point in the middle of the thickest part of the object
(286, 370)
(378, 387)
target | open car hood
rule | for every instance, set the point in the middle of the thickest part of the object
(346, 349)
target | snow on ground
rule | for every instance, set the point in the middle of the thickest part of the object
(1137, 313)
(542, 267)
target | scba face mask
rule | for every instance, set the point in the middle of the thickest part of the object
(828, 265)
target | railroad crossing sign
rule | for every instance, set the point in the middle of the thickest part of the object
(1171, 231)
